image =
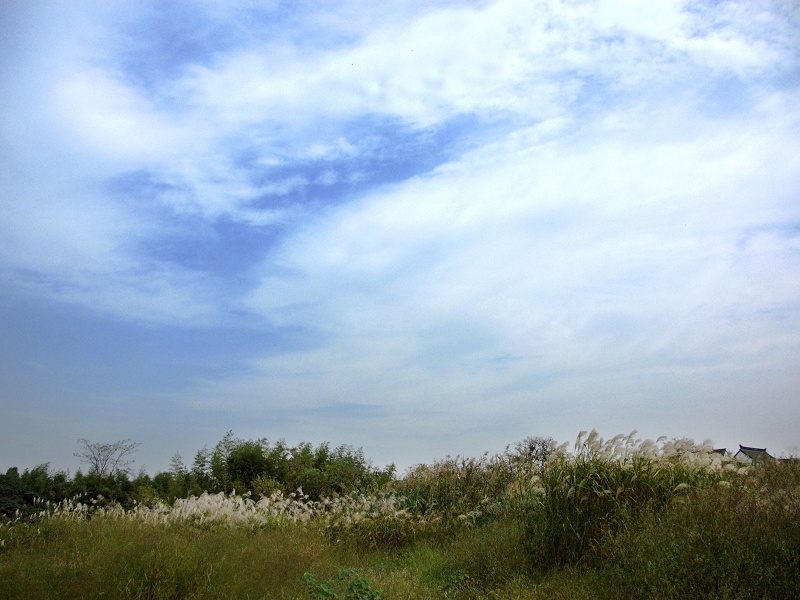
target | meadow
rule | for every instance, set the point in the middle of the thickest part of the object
(618, 518)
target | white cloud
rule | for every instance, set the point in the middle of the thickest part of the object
(598, 253)
(108, 118)
(508, 57)
(503, 58)
(612, 228)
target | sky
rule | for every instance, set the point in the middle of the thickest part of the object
(422, 228)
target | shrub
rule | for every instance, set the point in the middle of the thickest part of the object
(120, 558)
(376, 522)
(458, 486)
(265, 486)
(358, 588)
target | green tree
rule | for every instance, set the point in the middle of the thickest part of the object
(15, 495)
(200, 479)
(218, 462)
(244, 463)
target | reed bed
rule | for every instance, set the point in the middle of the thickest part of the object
(623, 517)
(582, 495)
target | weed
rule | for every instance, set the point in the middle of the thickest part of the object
(358, 588)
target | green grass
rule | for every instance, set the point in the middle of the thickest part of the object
(734, 541)
(106, 557)
(622, 518)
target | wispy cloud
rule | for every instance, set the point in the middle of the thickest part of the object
(604, 191)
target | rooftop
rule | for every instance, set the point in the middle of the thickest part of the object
(749, 453)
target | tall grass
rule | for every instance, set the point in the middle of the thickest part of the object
(738, 539)
(605, 519)
(594, 490)
(458, 487)
(121, 558)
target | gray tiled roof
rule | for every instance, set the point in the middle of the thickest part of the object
(754, 453)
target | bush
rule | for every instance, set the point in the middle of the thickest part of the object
(127, 558)
(622, 518)
(458, 486)
(358, 588)
(383, 533)
(106, 489)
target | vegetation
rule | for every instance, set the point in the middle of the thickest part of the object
(107, 459)
(604, 519)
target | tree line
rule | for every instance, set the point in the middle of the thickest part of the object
(253, 466)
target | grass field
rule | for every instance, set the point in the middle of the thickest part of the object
(622, 518)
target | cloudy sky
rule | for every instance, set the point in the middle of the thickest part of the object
(418, 227)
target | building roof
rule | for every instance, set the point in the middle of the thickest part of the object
(750, 453)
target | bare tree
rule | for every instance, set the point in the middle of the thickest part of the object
(107, 459)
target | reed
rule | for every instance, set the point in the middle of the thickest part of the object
(603, 519)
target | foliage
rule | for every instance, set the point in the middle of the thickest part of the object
(532, 453)
(458, 487)
(381, 522)
(18, 493)
(244, 463)
(735, 540)
(246, 466)
(200, 474)
(622, 518)
(483, 558)
(261, 468)
(358, 588)
(105, 490)
(592, 492)
(15, 495)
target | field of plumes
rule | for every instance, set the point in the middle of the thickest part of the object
(601, 519)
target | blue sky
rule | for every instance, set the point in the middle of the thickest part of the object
(421, 228)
